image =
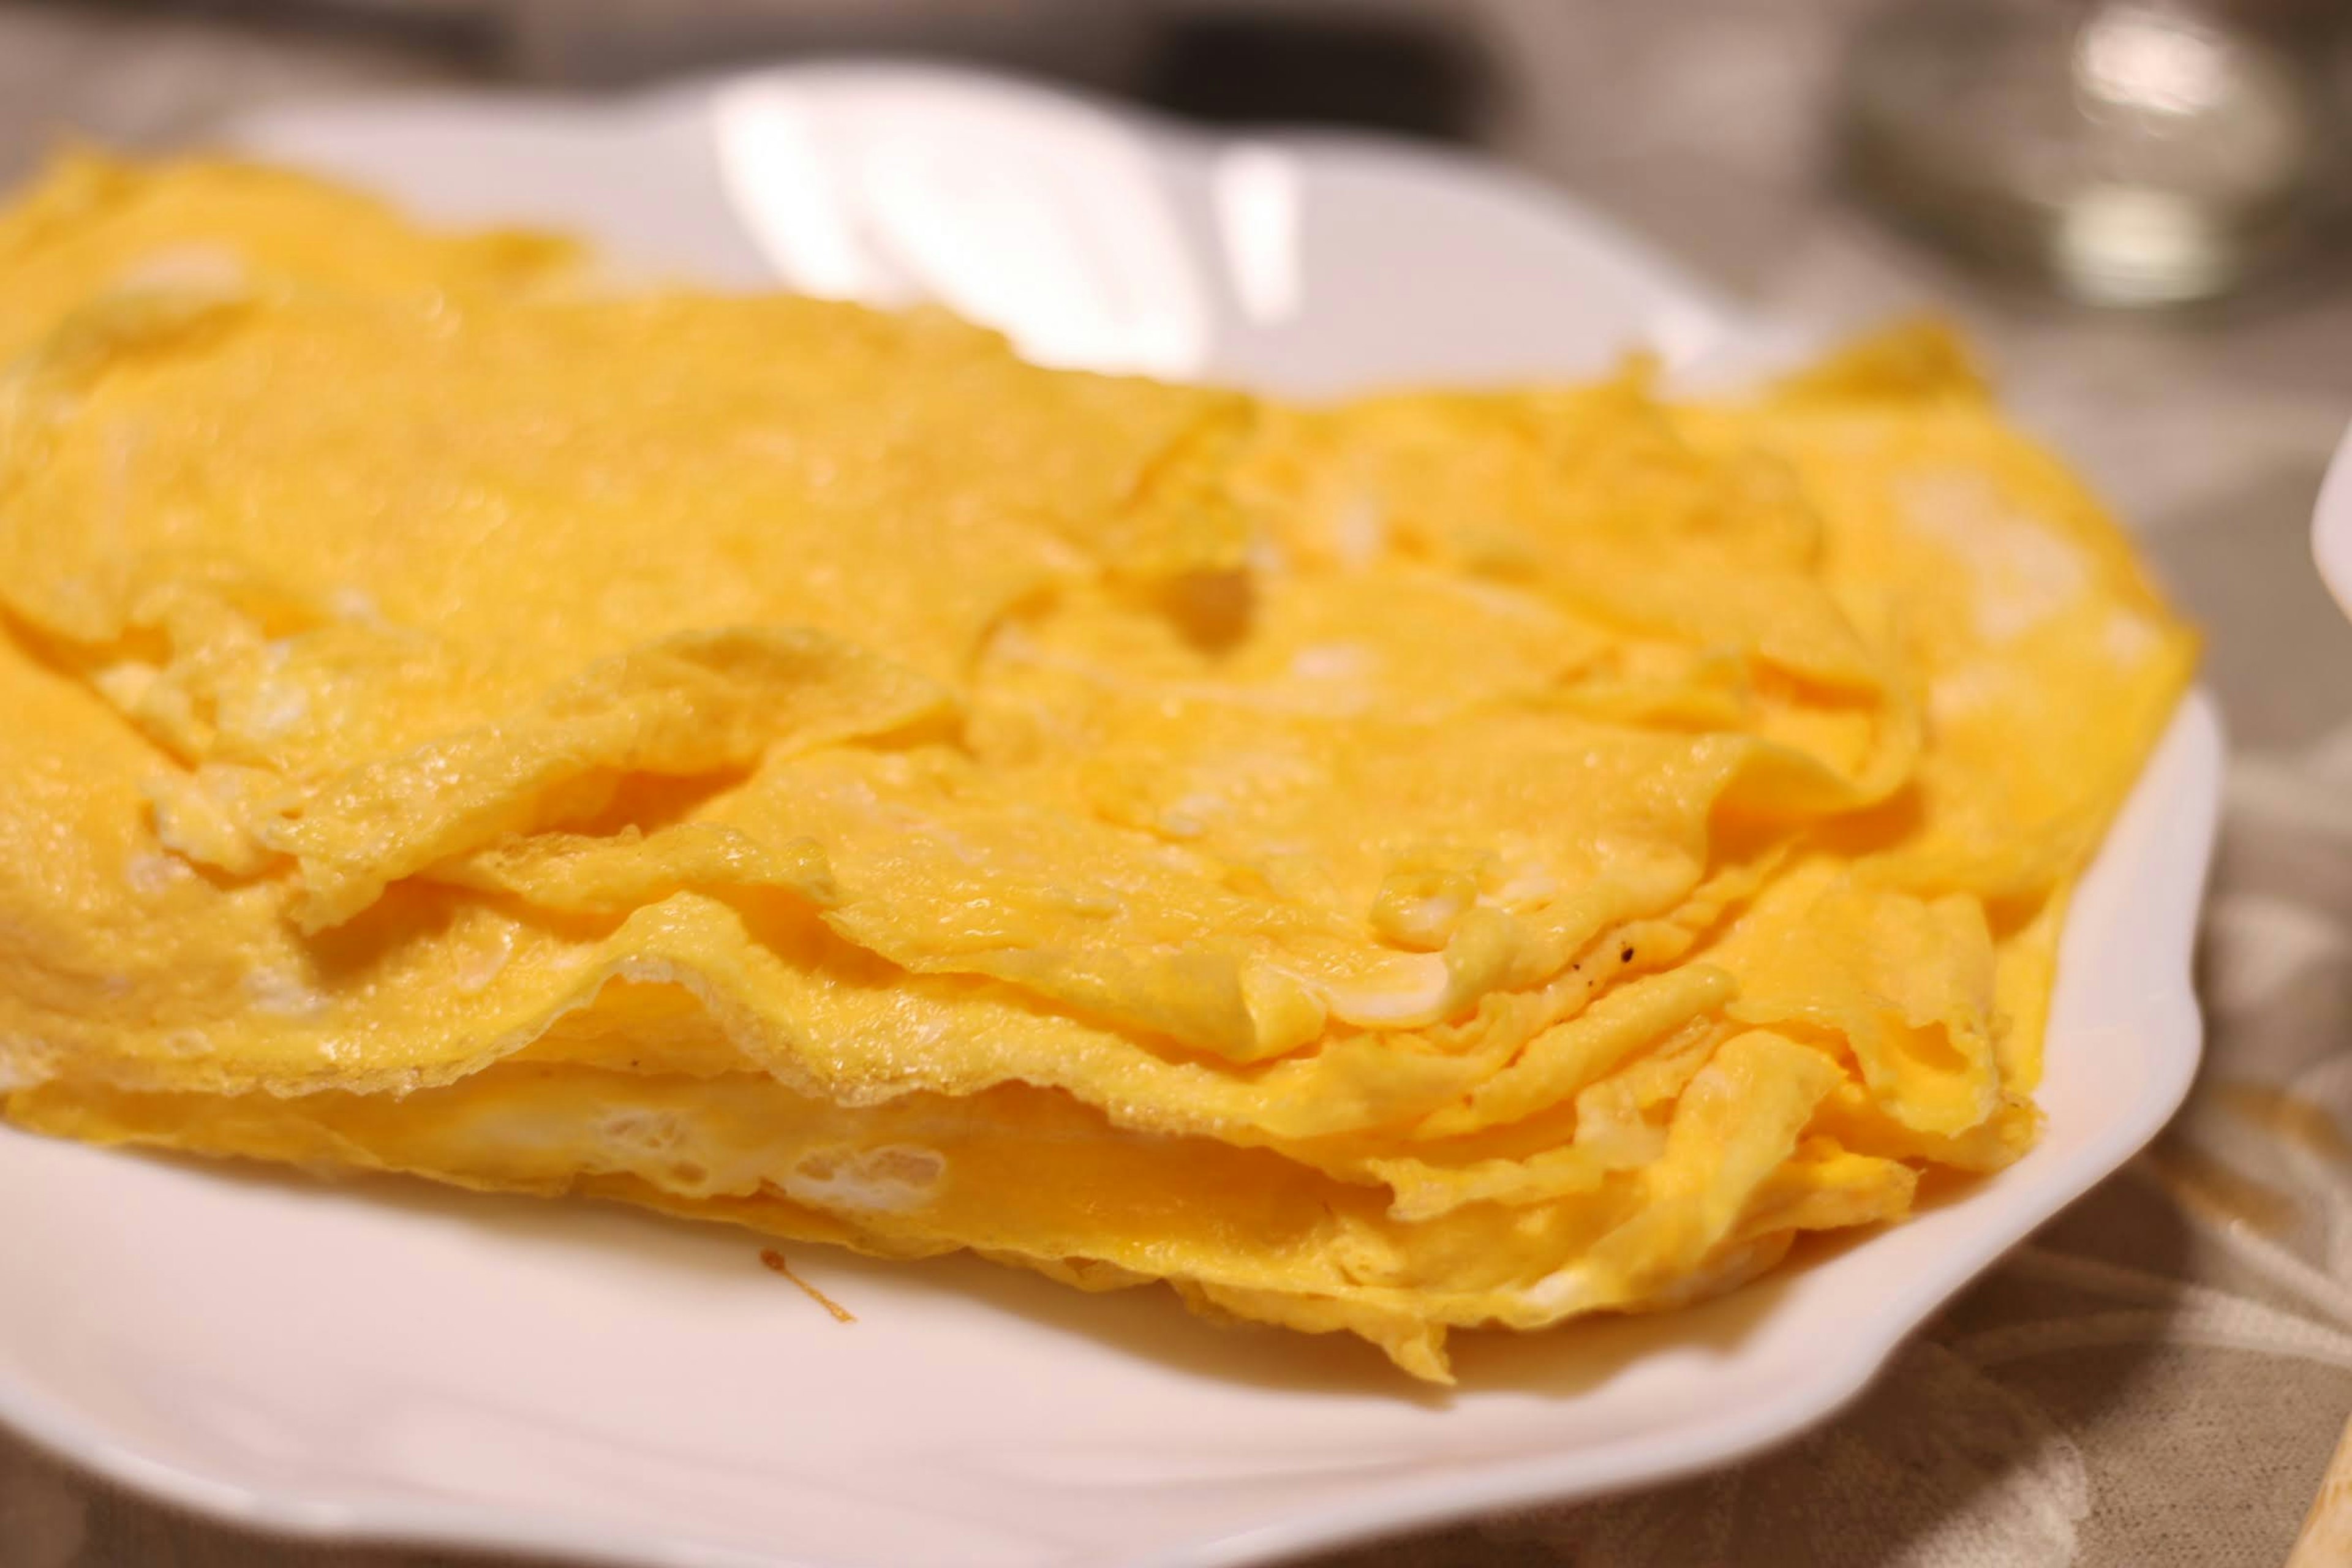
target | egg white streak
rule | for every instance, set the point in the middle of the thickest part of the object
(154, 873)
(2024, 572)
(283, 994)
(486, 967)
(1422, 987)
(895, 1178)
(25, 1062)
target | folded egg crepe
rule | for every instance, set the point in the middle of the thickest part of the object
(1445, 860)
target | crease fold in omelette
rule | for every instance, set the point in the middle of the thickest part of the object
(1442, 860)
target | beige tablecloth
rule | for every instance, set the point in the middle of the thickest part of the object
(2158, 1379)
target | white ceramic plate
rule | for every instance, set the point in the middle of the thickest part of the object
(383, 1360)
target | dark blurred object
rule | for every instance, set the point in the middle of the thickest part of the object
(1413, 67)
(2124, 153)
(615, 42)
(1394, 72)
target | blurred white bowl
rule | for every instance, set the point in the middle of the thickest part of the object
(2331, 526)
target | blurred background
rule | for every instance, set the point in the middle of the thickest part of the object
(2116, 153)
(2138, 208)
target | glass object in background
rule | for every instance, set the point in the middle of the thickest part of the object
(2126, 153)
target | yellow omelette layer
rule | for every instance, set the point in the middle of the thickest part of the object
(1449, 860)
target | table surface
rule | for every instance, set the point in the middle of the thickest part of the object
(2158, 1378)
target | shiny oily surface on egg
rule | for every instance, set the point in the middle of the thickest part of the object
(1446, 860)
